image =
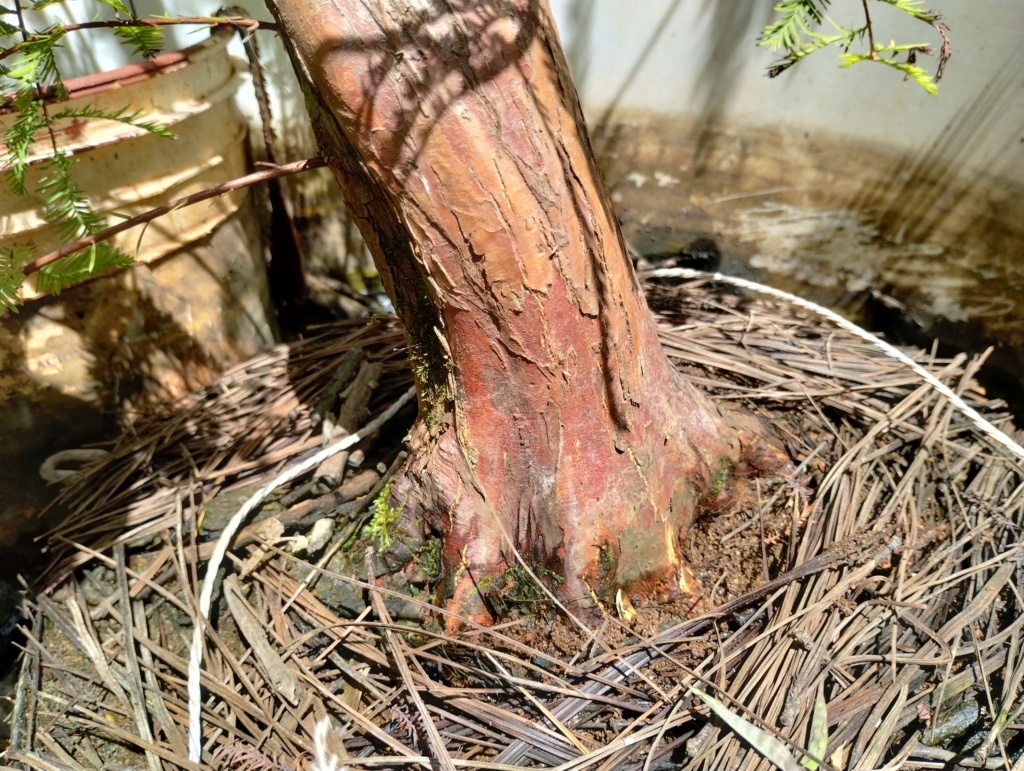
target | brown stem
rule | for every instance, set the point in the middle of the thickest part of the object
(203, 195)
(21, 19)
(37, 86)
(287, 274)
(870, 29)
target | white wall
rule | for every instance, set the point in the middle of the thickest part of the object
(698, 58)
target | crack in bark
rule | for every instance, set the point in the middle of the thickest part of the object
(562, 432)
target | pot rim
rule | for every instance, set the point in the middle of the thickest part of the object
(121, 77)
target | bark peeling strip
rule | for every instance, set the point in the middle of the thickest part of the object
(195, 659)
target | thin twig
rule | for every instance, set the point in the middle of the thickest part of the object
(871, 31)
(204, 195)
(250, 25)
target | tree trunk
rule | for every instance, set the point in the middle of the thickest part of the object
(550, 419)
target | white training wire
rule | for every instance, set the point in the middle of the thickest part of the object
(195, 659)
(890, 350)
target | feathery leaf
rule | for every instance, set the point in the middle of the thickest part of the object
(912, 71)
(19, 137)
(36, 64)
(146, 41)
(121, 116)
(80, 267)
(795, 33)
(12, 263)
(64, 204)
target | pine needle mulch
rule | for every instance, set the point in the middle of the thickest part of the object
(888, 636)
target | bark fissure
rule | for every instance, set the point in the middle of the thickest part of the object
(551, 421)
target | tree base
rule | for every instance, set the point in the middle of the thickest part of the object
(554, 433)
(606, 532)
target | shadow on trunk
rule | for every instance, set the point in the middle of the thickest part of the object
(553, 431)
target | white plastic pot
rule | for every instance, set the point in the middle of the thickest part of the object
(197, 300)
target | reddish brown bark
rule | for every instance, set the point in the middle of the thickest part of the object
(550, 419)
